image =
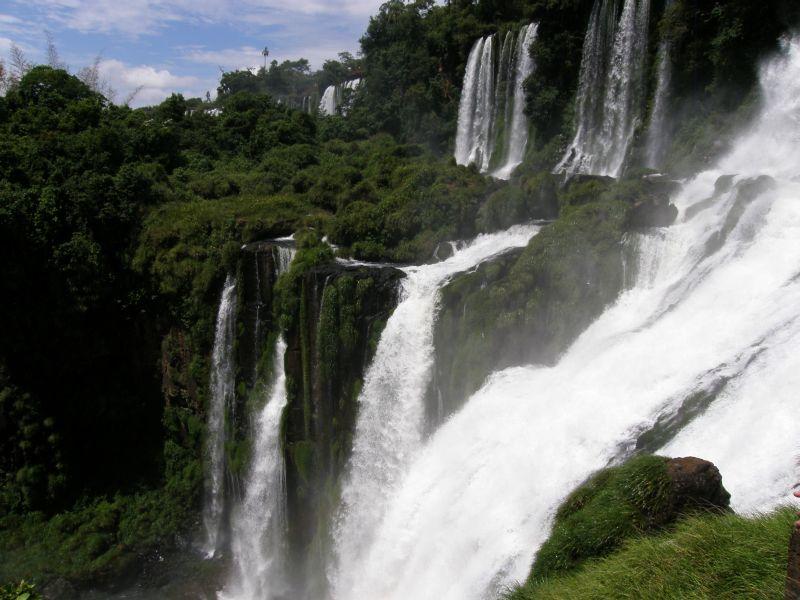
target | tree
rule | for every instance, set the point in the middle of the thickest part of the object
(92, 77)
(4, 82)
(19, 64)
(53, 60)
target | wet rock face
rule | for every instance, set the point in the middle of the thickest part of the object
(656, 212)
(527, 306)
(258, 272)
(337, 321)
(651, 205)
(696, 483)
(59, 589)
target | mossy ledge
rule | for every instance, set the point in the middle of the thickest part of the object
(335, 314)
(529, 305)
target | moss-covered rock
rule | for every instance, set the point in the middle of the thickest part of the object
(641, 496)
(528, 306)
(533, 197)
(336, 316)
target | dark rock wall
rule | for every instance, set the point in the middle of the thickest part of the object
(330, 341)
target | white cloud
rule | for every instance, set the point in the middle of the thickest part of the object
(5, 46)
(313, 29)
(129, 17)
(143, 17)
(249, 57)
(15, 27)
(244, 57)
(156, 84)
(8, 20)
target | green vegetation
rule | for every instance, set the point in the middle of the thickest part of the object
(528, 306)
(703, 557)
(612, 506)
(92, 544)
(332, 316)
(716, 49)
(118, 228)
(19, 591)
(292, 81)
(126, 221)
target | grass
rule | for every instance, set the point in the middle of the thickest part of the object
(614, 505)
(703, 557)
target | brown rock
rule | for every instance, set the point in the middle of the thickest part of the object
(696, 483)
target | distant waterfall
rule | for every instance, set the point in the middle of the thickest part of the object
(307, 105)
(336, 96)
(258, 523)
(658, 131)
(698, 357)
(476, 107)
(610, 90)
(389, 427)
(492, 127)
(221, 398)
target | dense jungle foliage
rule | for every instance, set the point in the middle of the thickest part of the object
(117, 227)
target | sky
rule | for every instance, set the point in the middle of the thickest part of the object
(168, 46)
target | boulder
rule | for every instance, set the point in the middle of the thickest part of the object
(696, 483)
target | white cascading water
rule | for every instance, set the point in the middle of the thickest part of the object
(474, 143)
(466, 106)
(492, 88)
(657, 130)
(715, 298)
(334, 97)
(517, 134)
(258, 524)
(390, 422)
(610, 89)
(221, 396)
(327, 104)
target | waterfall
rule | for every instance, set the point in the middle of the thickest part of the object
(221, 398)
(492, 127)
(337, 97)
(610, 89)
(517, 134)
(258, 524)
(711, 313)
(327, 104)
(466, 106)
(283, 258)
(657, 131)
(389, 426)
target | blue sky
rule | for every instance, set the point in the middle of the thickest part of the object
(180, 45)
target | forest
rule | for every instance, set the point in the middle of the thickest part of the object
(119, 226)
